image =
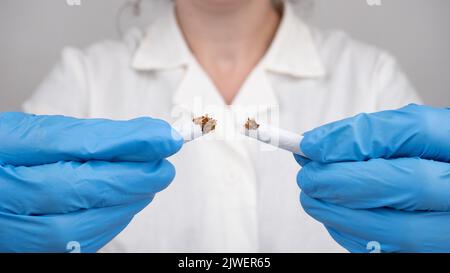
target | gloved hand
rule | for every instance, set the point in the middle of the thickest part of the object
(381, 180)
(73, 183)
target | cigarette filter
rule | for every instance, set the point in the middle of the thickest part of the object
(275, 136)
(195, 128)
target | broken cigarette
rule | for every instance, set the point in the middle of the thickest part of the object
(195, 128)
(275, 136)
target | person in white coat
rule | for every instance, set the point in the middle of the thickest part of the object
(226, 58)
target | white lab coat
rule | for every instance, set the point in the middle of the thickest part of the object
(230, 194)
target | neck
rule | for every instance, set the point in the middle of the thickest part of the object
(231, 30)
(228, 37)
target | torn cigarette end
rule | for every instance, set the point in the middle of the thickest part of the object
(191, 129)
(280, 138)
(251, 124)
(206, 123)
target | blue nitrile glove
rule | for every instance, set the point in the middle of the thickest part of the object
(74, 184)
(381, 180)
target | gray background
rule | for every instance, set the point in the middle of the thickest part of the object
(33, 32)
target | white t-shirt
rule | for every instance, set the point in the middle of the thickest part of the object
(230, 194)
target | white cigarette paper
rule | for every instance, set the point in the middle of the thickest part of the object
(275, 136)
(191, 129)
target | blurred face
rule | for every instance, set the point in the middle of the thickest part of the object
(221, 5)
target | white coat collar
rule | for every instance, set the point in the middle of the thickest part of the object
(292, 52)
(163, 45)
